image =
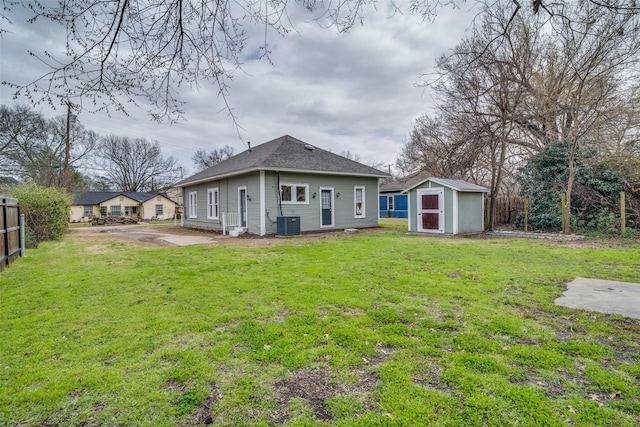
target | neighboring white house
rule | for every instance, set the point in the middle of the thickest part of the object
(284, 186)
(138, 205)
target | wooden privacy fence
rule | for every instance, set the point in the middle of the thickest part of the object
(11, 231)
(507, 209)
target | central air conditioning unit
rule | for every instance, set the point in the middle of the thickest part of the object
(288, 225)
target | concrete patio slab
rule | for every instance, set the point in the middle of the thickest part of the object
(604, 296)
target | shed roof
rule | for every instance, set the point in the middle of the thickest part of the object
(97, 197)
(455, 184)
(284, 154)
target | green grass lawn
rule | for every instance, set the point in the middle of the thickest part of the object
(376, 328)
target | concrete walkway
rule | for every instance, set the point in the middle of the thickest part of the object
(604, 296)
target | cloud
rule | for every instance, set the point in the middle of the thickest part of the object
(351, 91)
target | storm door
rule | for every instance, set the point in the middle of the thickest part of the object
(242, 206)
(326, 207)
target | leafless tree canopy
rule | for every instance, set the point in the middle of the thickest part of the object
(33, 148)
(204, 159)
(521, 83)
(136, 164)
(128, 51)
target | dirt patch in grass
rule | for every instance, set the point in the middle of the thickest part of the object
(550, 388)
(146, 237)
(202, 414)
(314, 387)
(431, 377)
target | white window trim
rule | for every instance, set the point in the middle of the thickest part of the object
(294, 193)
(193, 204)
(213, 209)
(393, 203)
(364, 210)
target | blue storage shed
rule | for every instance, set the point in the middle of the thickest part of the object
(393, 202)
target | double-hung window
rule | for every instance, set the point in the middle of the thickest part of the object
(115, 210)
(358, 197)
(213, 203)
(294, 193)
(159, 210)
(88, 210)
(390, 203)
(193, 204)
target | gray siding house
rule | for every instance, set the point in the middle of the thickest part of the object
(446, 206)
(285, 178)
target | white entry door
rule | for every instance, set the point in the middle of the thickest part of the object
(431, 210)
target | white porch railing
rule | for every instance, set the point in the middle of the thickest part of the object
(229, 220)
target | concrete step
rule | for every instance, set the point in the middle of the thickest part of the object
(237, 231)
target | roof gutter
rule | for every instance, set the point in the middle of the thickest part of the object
(275, 169)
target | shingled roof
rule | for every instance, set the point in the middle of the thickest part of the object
(456, 184)
(97, 197)
(284, 154)
(403, 183)
(418, 178)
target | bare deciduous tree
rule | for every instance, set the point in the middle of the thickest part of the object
(204, 159)
(120, 52)
(33, 147)
(543, 82)
(576, 89)
(20, 128)
(135, 164)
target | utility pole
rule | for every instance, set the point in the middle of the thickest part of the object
(70, 119)
(66, 150)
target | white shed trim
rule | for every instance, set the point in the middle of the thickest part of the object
(263, 219)
(455, 211)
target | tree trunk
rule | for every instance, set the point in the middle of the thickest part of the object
(566, 218)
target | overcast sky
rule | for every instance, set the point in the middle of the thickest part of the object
(355, 91)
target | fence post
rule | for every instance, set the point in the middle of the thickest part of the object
(623, 214)
(4, 255)
(23, 252)
(563, 200)
(526, 215)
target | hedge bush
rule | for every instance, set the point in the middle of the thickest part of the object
(46, 212)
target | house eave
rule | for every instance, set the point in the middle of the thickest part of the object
(437, 181)
(275, 169)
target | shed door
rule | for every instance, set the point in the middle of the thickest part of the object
(431, 210)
